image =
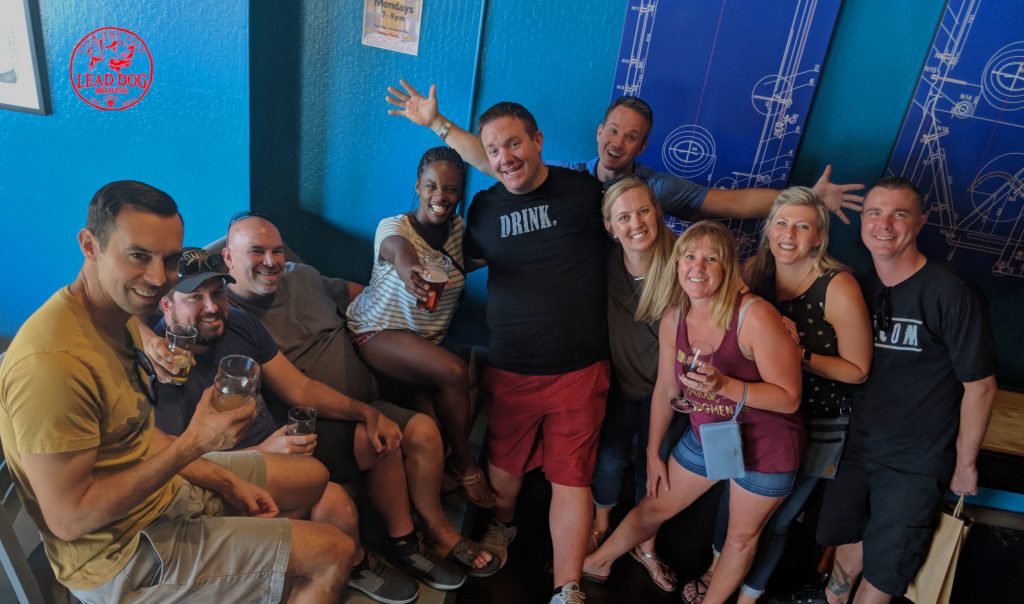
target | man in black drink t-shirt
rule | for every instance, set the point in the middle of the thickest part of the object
(919, 420)
(539, 230)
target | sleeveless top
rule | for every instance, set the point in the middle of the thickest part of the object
(822, 398)
(772, 442)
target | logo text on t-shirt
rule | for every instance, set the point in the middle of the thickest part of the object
(902, 336)
(525, 221)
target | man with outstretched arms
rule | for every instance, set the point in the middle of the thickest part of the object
(621, 138)
(122, 507)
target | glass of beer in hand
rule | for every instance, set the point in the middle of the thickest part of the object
(436, 267)
(301, 420)
(238, 380)
(181, 341)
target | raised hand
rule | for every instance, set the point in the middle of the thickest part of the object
(413, 105)
(837, 197)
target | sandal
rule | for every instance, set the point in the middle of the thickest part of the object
(466, 552)
(467, 481)
(595, 540)
(660, 573)
(699, 590)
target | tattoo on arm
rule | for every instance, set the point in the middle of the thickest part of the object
(840, 582)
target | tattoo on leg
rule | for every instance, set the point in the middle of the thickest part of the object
(840, 582)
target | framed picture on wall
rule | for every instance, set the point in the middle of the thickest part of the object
(20, 85)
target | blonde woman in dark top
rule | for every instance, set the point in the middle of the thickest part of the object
(634, 220)
(825, 311)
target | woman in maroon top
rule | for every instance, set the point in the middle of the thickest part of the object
(757, 362)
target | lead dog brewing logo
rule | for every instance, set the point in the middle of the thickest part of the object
(111, 68)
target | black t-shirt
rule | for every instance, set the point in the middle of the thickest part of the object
(546, 253)
(907, 414)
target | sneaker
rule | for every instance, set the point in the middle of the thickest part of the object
(570, 594)
(382, 583)
(430, 568)
(810, 595)
(497, 538)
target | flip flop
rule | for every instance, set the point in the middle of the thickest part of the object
(595, 579)
(700, 589)
(660, 572)
(466, 551)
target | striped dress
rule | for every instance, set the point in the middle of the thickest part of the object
(385, 304)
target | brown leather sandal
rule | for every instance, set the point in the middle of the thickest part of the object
(468, 481)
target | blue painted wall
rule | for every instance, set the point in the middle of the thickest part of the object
(281, 99)
(188, 136)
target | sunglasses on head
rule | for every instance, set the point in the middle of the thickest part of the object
(197, 261)
(243, 215)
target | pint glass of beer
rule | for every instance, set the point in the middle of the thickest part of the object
(181, 341)
(238, 380)
(436, 268)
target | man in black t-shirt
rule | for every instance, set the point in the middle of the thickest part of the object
(539, 230)
(919, 420)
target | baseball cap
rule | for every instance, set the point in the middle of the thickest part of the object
(196, 266)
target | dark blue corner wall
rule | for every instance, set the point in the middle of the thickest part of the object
(280, 99)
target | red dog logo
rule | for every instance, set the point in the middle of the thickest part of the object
(111, 68)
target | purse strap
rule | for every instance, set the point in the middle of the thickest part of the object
(743, 401)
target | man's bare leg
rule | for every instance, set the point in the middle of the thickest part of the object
(424, 463)
(571, 509)
(506, 488)
(320, 562)
(847, 567)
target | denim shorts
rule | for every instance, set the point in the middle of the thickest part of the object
(689, 454)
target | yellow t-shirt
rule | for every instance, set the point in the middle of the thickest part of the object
(64, 387)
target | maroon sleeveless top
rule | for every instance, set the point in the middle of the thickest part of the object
(772, 442)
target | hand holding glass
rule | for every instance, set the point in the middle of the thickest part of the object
(181, 341)
(436, 268)
(301, 420)
(238, 380)
(700, 354)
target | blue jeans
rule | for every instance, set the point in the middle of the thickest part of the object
(624, 420)
(774, 536)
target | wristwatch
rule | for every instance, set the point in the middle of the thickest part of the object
(443, 133)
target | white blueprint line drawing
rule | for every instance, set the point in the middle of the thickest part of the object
(992, 222)
(689, 150)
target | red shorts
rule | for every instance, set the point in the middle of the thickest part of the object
(547, 421)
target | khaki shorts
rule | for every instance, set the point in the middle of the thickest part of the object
(197, 552)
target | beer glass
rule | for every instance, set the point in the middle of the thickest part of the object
(700, 354)
(238, 380)
(436, 267)
(181, 341)
(301, 420)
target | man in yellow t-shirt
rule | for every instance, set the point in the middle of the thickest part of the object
(124, 509)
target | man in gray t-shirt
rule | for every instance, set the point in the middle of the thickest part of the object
(305, 314)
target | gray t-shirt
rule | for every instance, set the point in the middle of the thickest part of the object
(306, 317)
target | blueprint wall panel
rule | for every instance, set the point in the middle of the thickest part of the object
(730, 83)
(962, 142)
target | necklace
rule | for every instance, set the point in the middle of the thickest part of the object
(795, 292)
